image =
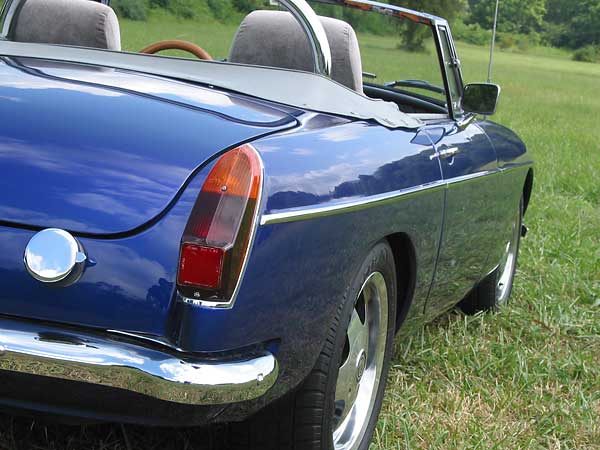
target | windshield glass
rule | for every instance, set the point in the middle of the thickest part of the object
(396, 54)
(390, 60)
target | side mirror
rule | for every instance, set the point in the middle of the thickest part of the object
(480, 98)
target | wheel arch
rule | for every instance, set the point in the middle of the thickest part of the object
(405, 261)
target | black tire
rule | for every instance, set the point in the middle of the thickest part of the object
(485, 296)
(303, 420)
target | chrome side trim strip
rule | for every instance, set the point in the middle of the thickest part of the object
(53, 352)
(472, 176)
(331, 209)
(344, 207)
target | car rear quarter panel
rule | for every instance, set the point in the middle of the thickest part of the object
(299, 272)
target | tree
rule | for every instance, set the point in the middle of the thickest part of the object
(558, 11)
(574, 24)
(516, 16)
(416, 34)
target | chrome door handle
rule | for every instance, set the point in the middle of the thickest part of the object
(445, 153)
(449, 152)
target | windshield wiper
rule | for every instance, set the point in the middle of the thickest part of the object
(419, 84)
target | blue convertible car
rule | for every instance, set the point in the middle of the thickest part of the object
(188, 242)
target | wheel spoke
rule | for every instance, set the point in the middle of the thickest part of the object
(358, 334)
(358, 375)
(346, 390)
(348, 381)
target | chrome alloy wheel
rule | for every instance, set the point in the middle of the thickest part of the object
(360, 372)
(506, 269)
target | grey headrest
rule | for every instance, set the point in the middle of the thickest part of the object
(276, 39)
(68, 22)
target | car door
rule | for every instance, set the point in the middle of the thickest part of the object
(468, 162)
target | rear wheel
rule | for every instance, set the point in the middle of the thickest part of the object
(494, 291)
(337, 406)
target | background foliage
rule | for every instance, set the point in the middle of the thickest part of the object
(568, 24)
(527, 378)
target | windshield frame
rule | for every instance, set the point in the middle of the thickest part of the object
(435, 23)
(451, 70)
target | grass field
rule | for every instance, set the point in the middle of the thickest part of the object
(527, 378)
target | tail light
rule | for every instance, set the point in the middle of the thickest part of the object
(218, 234)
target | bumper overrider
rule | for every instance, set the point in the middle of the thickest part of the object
(42, 350)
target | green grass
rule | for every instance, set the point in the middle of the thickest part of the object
(527, 378)
(213, 36)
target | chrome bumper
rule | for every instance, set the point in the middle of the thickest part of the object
(52, 352)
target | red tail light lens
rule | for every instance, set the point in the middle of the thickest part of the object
(201, 266)
(217, 236)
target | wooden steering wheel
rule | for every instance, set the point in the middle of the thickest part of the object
(186, 46)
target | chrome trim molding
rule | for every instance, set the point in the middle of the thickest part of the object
(315, 32)
(343, 207)
(331, 209)
(52, 352)
(205, 303)
(9, 10)
(465, 121)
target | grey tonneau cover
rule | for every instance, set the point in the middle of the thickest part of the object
(294, 88)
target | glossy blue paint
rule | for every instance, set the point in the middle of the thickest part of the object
(70, 145)
(510, 149)
(298, 272)
(72, 158)
(95, 134)
(130, 287)
(515, 164)
(468, 219)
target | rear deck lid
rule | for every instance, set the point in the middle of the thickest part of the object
(102, 152)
